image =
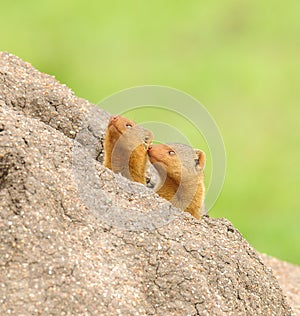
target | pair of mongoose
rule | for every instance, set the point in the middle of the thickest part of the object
(180, 167)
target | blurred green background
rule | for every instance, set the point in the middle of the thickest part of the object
(241, 59)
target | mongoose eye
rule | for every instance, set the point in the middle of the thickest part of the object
(146, 139)
(172, 153)
(128, 125)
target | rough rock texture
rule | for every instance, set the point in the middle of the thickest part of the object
(77, 239)
(288, 276)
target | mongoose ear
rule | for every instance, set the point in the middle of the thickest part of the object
(200, 161)
(147, 142)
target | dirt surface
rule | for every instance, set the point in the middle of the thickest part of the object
(77, 239)
(288, 276)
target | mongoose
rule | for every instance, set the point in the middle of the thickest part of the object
(180, 168)
(125, 148)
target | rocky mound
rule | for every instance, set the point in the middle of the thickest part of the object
(77, 239)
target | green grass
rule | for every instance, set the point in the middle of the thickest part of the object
(240, 59)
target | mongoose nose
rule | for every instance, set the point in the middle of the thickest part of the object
(149, 148)
(114, 118)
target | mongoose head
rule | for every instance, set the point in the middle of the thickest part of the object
(132, 134)
(125, 146)
(118, 125)
(178, 162)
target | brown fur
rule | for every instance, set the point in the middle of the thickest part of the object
(125, 146)
(182, 179)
